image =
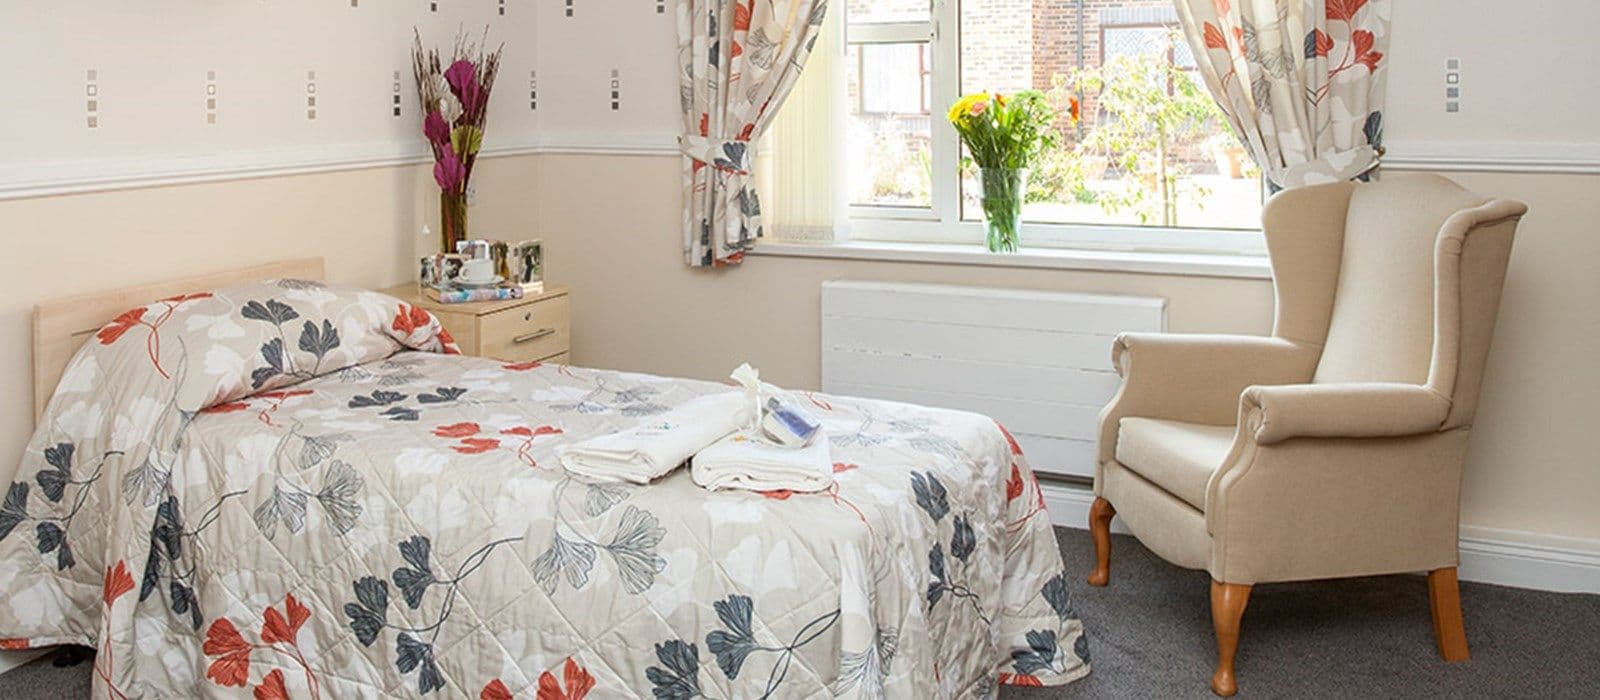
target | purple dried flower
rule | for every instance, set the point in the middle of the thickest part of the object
(436, 129)
(460, 74)
(462, 77)
(449, 172)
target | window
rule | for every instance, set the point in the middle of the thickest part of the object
(1152, 164)
(892, 99)
(894, 78)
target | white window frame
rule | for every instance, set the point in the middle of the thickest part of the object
(942, 222)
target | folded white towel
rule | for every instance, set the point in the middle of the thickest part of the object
(741, 461)
(658, 444)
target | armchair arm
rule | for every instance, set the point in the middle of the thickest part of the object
(1195, 377)
(1324, 505)
(1198, 377)
(1370, 409)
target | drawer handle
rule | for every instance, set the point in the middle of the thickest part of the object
(530, 337)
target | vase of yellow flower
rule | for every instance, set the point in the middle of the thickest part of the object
(1003, 136)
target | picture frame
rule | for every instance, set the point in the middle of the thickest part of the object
(439, 271)
(527, 264)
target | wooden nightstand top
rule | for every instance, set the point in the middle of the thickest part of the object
(410, 294)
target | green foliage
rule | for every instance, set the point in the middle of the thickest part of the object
(1151, 108)
(1005, 132)
(1060, 175)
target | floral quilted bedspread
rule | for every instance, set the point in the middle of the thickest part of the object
(287, 490)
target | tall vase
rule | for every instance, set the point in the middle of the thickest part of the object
(1003, 190)
(452, 220)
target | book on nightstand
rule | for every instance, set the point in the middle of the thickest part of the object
(462, 296)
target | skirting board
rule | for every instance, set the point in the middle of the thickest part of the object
(1500, 557)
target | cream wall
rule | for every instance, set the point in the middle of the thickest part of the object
(185, 87)
(1505, 49)
(610, 224)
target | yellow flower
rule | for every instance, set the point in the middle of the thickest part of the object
(964, 105)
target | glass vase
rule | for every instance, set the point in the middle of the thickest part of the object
(1003, 190)
(452, 220)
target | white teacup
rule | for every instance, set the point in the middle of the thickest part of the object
(477, 271)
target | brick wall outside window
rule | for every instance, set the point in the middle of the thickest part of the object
(997, 50)
(1009, 45)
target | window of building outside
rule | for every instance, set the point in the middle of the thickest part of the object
(1152, 163)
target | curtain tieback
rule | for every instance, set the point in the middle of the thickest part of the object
(1338, 166)
(732, 155)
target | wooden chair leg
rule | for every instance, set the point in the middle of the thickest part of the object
(1449, 632)
(1227, 607)
(1100, 527)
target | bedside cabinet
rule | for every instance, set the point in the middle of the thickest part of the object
(535, 327)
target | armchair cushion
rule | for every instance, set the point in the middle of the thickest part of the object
(1195, 378)
(1357, 410)
(1179, 457)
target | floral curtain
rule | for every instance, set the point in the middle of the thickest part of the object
(737, 60)
(1301, 81)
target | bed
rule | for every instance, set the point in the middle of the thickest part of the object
(262, 485)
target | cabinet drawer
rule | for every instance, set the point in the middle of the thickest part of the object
(531, 332)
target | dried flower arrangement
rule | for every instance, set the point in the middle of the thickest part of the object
(455, 101)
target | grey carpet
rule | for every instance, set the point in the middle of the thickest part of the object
(1150, 637)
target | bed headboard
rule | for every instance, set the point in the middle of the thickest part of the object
(61, 325)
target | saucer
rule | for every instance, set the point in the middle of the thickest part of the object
(464, 282)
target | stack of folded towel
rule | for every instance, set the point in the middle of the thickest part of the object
(742, 461)
(723, 436)
(661, 443)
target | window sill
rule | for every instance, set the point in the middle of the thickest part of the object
(1189, 264)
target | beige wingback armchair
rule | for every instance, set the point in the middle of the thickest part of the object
(1333, 447)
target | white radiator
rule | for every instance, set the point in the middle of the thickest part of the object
(1038, 362)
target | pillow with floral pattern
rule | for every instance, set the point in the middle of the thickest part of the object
(218, 346)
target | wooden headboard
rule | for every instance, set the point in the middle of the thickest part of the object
(60, 326)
